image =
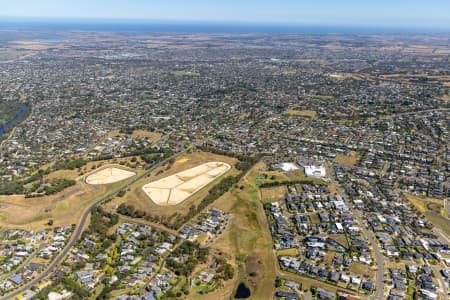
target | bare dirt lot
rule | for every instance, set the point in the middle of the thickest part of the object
(108, 175)
(176, 188)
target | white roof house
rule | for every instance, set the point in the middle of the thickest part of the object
(315, 170)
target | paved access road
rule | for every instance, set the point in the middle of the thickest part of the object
(79, 230)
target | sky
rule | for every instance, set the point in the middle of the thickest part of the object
(394, 13)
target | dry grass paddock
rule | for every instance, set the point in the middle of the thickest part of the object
(65, 207)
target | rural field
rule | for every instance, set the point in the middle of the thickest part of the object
(176, 188)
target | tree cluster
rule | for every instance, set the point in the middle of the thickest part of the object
(58, 186)
(100, 223)
(69, 164)
(195, 255)
(285, 182)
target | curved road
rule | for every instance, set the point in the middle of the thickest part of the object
(79, 229)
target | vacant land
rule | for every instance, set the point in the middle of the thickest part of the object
(267, 177)
(176, 188)
(354, 76)
(272, 194)
(186, 73)
(332, 188)
(347, 160)
(152, 135)
(287, 252)
(433, 209)
(64, 208)
(322, 97)
(109, 174)
(302, 113)
(362, 269)
(340, 238)
(279, 178)
(271, 176)
(424, 204)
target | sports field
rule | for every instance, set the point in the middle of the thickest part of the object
(176, 188)
(108, 175)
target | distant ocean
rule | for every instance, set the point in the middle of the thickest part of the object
(195, 27)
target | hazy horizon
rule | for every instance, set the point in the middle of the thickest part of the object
(401, 14)
(187, 26)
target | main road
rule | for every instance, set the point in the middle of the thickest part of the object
(79, 229)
